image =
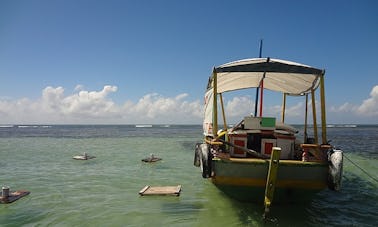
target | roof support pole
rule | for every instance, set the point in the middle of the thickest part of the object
(256, 100)
(323, 113)
(257, 89)
(305, 124)
(215, 106)
(262, 90)
(314, 116)
(261, 95)
(283, 107)
(223, 114)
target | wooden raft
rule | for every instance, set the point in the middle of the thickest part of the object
(13, 196)
(161, 190)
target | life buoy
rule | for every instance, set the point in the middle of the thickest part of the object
(335, 174)
(202, 159)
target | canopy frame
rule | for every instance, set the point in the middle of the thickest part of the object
(289, 78)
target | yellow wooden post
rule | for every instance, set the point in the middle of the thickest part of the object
(323, 113)
(283, 107)
(272, 177)
(223, 114)
(314, 116)
(305, 126)
(215, 104)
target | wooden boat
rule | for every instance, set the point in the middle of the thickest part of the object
(262, 156)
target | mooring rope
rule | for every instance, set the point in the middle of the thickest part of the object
(364, 171)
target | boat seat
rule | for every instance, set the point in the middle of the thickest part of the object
(316, 150)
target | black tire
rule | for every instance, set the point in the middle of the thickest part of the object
(205, 160)
(197, 155)
(335, 173)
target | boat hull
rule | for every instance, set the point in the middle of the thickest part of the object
(245, 179)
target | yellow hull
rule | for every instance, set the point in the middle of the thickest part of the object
(245, 179)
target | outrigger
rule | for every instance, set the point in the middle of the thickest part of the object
(262, 156)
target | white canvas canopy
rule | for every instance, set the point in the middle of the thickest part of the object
(279, 75)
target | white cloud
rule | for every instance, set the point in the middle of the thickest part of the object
(96, 107)
(79, 87)
(156, 108)
(239, 106)
(344, 108)
(366, 112)
(369, 107)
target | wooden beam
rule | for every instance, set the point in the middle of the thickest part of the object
(271, 179)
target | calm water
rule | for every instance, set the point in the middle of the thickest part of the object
(104, 191)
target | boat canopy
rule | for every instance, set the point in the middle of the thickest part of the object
(279, 75)
(283, 76)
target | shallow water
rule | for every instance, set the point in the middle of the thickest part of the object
(104, 191)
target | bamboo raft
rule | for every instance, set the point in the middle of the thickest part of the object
(161, 190)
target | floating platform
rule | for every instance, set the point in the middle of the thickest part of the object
(161, 190)
(149, 159)
(13, 196)
(82, 157)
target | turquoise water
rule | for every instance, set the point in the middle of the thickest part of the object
(104, 191)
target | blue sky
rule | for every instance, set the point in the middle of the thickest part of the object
(82, 61)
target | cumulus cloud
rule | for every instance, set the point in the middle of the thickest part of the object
(79, 87)
(96, 107)
(239, 106)
(366, 112)
(369, 107)
(154, 107)
(344, 108)
(54, 106)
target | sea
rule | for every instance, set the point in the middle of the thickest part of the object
(104, 191)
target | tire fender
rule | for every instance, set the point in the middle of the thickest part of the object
(202, 159)
(335, 173)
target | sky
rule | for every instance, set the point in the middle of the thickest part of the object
(148, 62)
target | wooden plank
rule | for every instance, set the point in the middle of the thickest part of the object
(160, 190)
(13, 196)
(143, 189)
(271, 179)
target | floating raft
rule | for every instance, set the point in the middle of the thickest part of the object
(161, 190)
(82, 157)
(151, 159)
(13, 196)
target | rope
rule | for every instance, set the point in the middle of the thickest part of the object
(373, 178)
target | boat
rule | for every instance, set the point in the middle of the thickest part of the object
(262, 157)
